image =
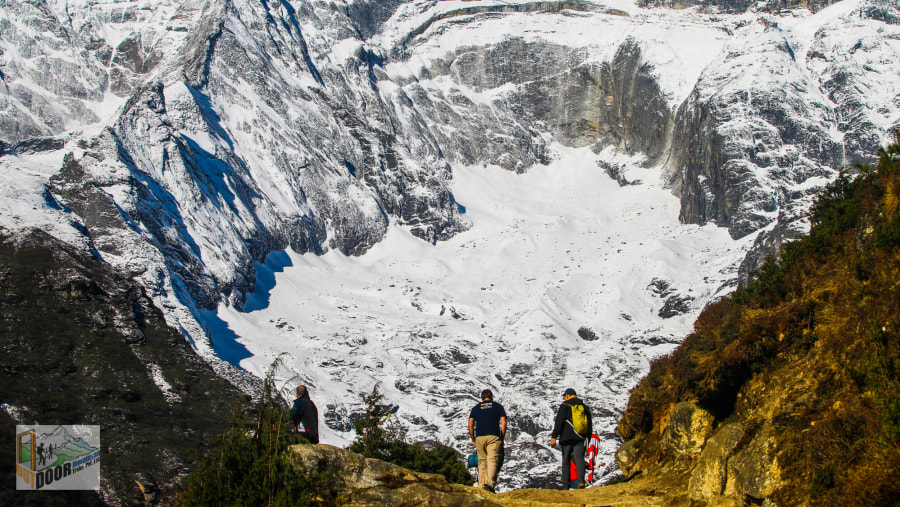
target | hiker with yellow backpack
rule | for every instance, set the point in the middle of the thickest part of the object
(572, 426)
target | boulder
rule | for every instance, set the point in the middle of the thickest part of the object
(754, 471)
(709, 475)
(628, 457)
(687, 430)
(365, 481)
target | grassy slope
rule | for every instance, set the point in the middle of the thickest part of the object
(825, 320)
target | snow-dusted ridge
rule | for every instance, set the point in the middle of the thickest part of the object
(429, 202)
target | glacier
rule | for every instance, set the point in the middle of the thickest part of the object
(558, 249)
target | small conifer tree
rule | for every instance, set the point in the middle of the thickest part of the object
(378, 437)
(249, 463)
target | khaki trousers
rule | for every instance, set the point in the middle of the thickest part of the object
(490, 458)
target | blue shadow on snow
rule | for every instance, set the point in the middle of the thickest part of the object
(265, 280)
(224, 341)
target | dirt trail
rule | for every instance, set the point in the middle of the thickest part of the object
(666, 491)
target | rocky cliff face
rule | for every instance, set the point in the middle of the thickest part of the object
(249, 128)
(616, 103)
(743, 148)
(235, 146)
(736, 6)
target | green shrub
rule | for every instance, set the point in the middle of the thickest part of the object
(889, 235)
(836, 210)
(823, 478)
(249, 464)
(766, 286)
(375, 438)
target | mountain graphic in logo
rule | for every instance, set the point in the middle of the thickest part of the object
(61, 447)
(58, 457)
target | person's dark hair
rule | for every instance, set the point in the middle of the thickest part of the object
(301, 391)
(487, 395)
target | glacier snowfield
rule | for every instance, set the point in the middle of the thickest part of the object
(551, 251)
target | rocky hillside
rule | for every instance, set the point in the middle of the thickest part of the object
(83, 345)
(787, 391)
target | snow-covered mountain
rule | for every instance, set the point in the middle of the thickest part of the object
(437, 196)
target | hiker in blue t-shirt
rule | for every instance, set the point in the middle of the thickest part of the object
(487, 428)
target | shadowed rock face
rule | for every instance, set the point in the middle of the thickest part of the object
(755, 130)
(84, 344)
(616, 103)
(318, 166)
(738, 148)
(555, 88)
(730, 143)
(369, 15)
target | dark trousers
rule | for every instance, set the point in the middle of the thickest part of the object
(572, 451)
(312, 437)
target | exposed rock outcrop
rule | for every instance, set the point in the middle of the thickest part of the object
(686, 432)
(363, 481)
(369, 482)
(710, 475)
(727, 463)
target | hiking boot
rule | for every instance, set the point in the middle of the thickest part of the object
(581, 485)
(489, 488)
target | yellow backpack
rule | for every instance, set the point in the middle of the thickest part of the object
(579, 420)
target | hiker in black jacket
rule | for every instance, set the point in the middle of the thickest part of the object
(572, 442)
(305, 412)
